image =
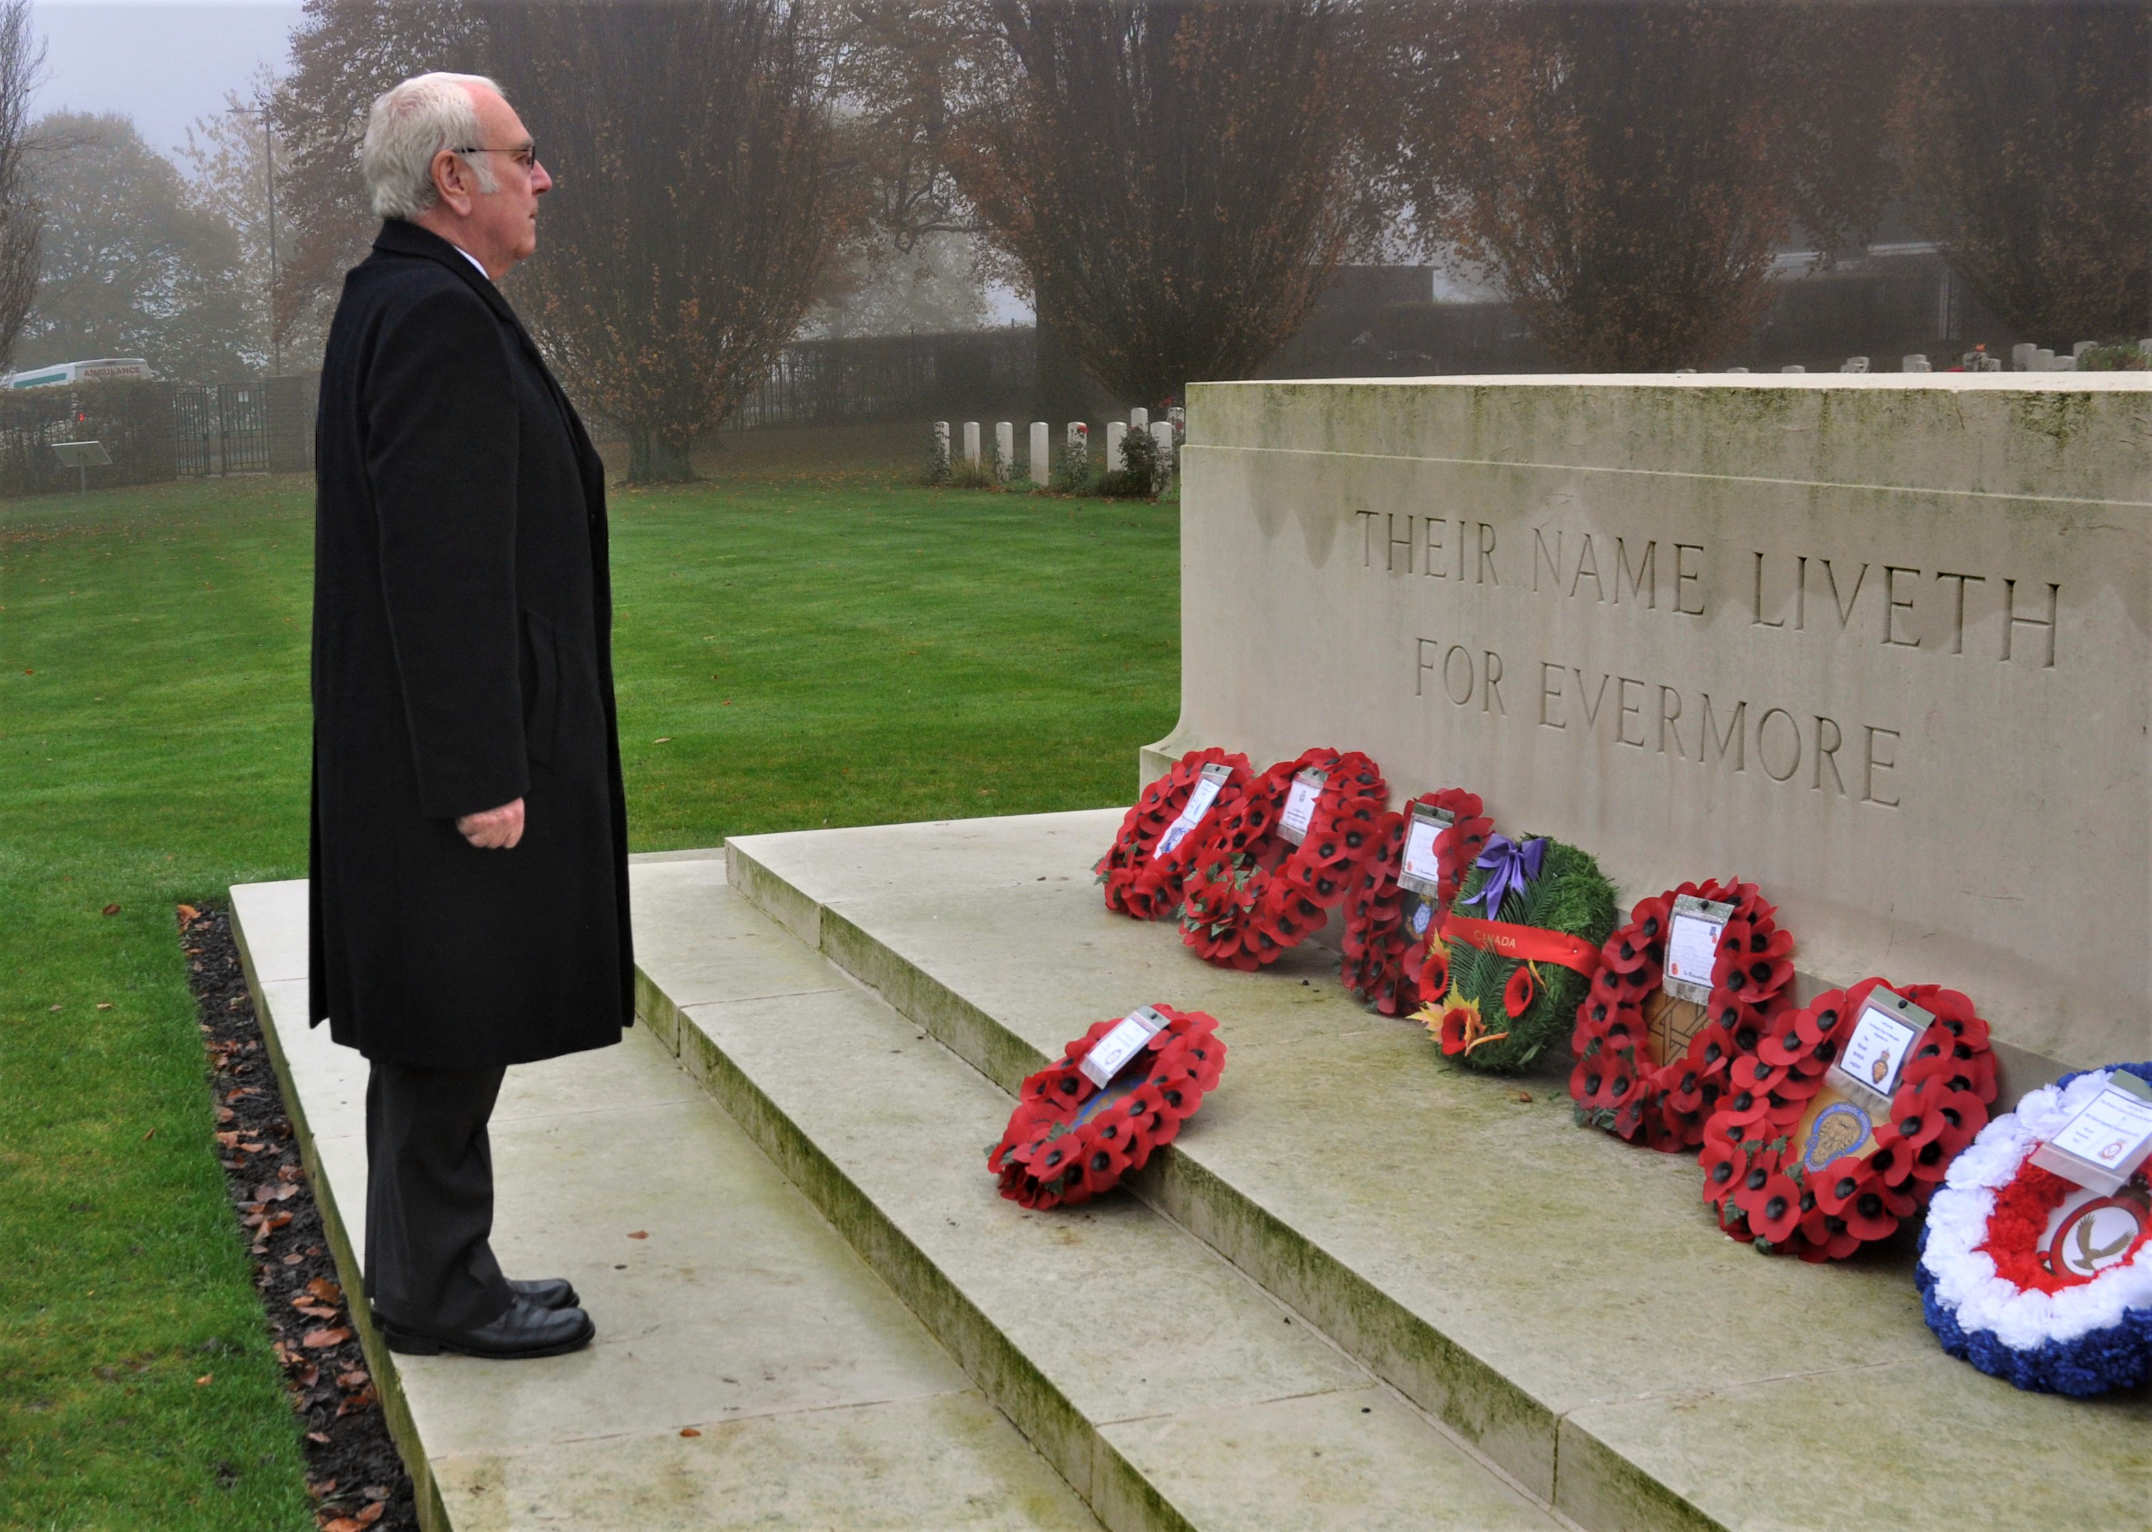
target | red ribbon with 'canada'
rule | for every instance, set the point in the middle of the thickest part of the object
(1527, 944)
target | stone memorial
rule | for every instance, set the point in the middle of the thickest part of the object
(971, 442)
(1115, 432)
(1076, 450)
(1004, 450)
(1914, 362)
(2021, 356)
(1878, 643)
(941, 449)
(1139, 419)
(1036, 462)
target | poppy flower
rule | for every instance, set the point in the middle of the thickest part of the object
(1627, 951)
(1755, 964)
(1742, 1106)
(1435, 969)
(1821, 1019)
(1776, 1210)
(1751, 1185)
(1723, 1165)
(1686, 1089)
(1599, 1082)
(1868, 1217)
(1751, 1072)
(1455, 1030)
(1782, 1044)
(1625, 1027)
(1518, 993)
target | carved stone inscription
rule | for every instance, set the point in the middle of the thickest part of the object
(1955, 615)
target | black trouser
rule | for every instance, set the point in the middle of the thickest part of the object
(429, 1197)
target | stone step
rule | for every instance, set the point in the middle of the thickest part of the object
(1562, 1301)
(1167, 1387)
(749, 1369)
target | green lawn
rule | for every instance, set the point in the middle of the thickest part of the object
(794, 648)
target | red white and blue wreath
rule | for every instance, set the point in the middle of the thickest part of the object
(1252, 895)
(1072, 1137)
(1794, 1166)
(1387, 925)
(2031, 1276)
(1159, 835)
(1619, 1082)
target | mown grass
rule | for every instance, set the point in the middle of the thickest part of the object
(796, 646)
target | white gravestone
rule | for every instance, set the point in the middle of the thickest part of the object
(1854, 364)
(1114, 432)
(1036, 464)
(971, 442)
(1162, 434)
(1876, 642)
(941, 448)
(1004, 450)
(1139, 418)
(1914, 363)
(2021, 356)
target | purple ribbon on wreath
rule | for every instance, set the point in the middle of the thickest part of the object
(1508, 866)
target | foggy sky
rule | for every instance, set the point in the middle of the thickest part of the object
(162, 62)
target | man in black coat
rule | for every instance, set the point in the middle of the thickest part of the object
(469, 871)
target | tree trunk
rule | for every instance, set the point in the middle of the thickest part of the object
(656, 456)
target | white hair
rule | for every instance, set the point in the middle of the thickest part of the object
(407, 126)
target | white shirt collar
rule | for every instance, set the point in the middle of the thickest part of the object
(474, 260)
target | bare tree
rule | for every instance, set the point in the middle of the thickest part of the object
(343, 54)
(697, 211)
(1629, 168)
(2026, 135)
(22, 59)
(1175, 178)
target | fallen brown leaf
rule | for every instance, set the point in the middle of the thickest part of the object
(325, 1290)
(313, 1310)
(371, 1514)
(152, 1133)
(343, 1523)
(104, 1005)
(271, 1225)
(1524, 1095)
(315, 1340)
(188, 915)
(207, 1377)
(689, 1431)
(112, 909)
(356, 1378)
(319, 1437)
(639, 1234)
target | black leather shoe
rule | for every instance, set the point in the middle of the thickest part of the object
(524, 1331)
(546, 1292)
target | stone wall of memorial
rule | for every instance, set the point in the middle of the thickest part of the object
(1876, 643)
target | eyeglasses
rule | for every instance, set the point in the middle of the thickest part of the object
(526, 156)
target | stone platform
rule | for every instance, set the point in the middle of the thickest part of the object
(1560, 1301)
(1364, 1290)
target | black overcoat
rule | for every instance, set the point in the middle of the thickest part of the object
(462, 659)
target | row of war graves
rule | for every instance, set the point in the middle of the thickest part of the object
(1004, 468)
(1166, 433)
(2024, 357)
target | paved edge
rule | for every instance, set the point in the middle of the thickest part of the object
(380, 1361)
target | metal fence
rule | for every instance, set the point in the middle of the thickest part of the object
(220, 429)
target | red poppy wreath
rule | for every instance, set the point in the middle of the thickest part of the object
(1793, 1163)
(1650, 1066)
(1070, 1138)
(1160, 834)
(1251, 893)
(1387, 924)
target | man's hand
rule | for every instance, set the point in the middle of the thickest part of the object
(494, 830)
